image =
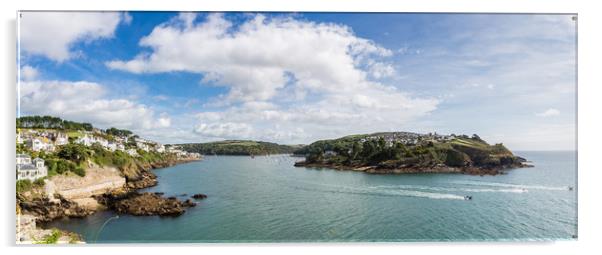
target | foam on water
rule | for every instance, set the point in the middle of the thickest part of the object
(455, 189)
(385, 192)
(509, 185)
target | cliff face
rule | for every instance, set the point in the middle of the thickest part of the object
(98, 180)
(139, 176)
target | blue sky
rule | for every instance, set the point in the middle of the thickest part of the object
(300, 77)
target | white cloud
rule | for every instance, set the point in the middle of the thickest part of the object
(288, 80)
(260, 56)
(225, 130)
(28, 73)
(548, 113)
(164, 121)
(52, 34)
(381, 70)
(161, 97)
(86, 102)
(126, 18)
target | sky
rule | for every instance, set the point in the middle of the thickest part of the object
(295, 78)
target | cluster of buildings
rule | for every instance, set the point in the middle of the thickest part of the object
(119, 143)
(28, 169)
(49, 140)
(42, 140)
(408, 138)
(183, 155)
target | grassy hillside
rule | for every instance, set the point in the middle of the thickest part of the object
(238, 147)
(457, 151)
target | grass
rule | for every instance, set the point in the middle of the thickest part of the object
(75, 134)
(51, 238)
(470, 143)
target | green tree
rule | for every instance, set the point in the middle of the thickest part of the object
(74, 152)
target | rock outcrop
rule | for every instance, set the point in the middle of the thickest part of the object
(45, 209)
(146, 179)
(144, 204)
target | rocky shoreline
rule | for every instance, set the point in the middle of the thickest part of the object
(440, 168)
(43, 208)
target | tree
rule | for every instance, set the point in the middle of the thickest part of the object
(74, 152)
(356, 149)
(118, 132)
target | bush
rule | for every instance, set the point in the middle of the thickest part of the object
(61, 166)
(23, 186)
(79, 171)
(51, 238)
(74, 152)
(39, 182)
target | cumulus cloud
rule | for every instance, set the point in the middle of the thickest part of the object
(288, 80)
(381, 70)
(548, 113)
(259, 57)
(51, 34)
(226, 130)
(28, 73)
(87, 102)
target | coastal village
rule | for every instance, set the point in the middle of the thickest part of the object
(405, 138)
(43, 193)
(48, 141)
(408, 138)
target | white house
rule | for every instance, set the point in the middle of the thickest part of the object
(160, 147)
(142, 145)
(28, 169)
(23, 159)
(86, 140)
(61, 139)
(330, 154)
(132, 152)
(111, 146)
(37, 144)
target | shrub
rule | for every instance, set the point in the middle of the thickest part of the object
(51, 238)
(23, 186)
(79, 171)
(39, 182)
(74, 152)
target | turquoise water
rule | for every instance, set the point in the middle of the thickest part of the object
(266, 199)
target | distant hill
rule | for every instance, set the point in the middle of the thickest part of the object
(238, 147)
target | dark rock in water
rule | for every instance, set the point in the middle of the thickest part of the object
(183, 195)
(199, 196)
(300, 163)
(47, 210)
(159, 193)
(144, 204)
(189, 203)
(172, 198)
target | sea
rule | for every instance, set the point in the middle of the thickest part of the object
(267, 199)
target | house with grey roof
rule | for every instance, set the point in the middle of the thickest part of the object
(28, 169)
